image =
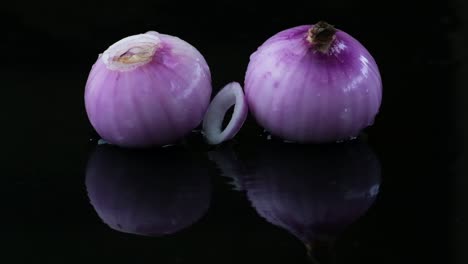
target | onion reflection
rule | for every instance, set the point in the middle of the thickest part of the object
(314, 192)
(148, 192)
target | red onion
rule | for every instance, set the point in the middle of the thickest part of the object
(313, 84)
(230, 95)
(148, 89)
(151, 193)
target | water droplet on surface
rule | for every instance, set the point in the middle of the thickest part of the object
(269, 137)
(374, 190)
(346, 110)
(318, 95)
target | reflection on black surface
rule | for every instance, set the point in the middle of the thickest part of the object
(314, 192)
(230, 165)
(148, 192)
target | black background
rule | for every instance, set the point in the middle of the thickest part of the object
(49, 47)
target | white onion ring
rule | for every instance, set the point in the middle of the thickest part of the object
(230, 95)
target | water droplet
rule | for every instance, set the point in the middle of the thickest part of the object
(346, 110)
(374, 190)
(269, 137)
(318, 95)
(102, 142)
(367, 90)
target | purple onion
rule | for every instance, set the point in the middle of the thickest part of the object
(314, 192)
(230, 95)
(150, 193)
(147, 89)
(313, 84)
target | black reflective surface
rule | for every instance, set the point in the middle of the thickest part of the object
(396, 195)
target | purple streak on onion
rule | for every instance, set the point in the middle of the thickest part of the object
(313, 84)
(150, 193)
(146, 90)
(314, 192)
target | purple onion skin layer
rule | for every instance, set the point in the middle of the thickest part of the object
(149, 193)
(301, 94)
(313, 192)
(153, 104)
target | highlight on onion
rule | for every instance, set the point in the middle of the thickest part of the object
(230, 95)
(147, 90)
(150, 193)
(313, 84)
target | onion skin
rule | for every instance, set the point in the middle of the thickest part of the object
(300, 92)
(155, 97)
(149, 193)
(314, 192)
